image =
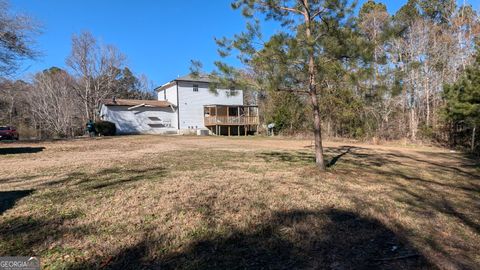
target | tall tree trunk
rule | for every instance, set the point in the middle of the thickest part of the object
(375, 57)
(413, 114)
(312, 90)
(317, 129)
(427, 94)
(12, 108)
(87, 97)
(473, 137)
(413, 128)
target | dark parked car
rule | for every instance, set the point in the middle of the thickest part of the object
(8, 133)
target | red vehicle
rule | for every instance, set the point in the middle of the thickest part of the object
(8, 133)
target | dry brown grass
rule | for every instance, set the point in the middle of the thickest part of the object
(204, 202)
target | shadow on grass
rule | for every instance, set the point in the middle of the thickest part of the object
(290, 157)
(467, 160)
(368, 159)
(435, 192)
(427, 183)
(344, 150)
(106, 178)
(9, 198)
(80, 184)
(330, 239)
(333, 154)
(110, 177)
(25, 234)
(20, 150)
(371, 157)
(28, 234)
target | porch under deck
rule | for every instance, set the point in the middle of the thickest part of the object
(230, 120)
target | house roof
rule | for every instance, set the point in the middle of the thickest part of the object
(186, 78)
(223, 105)
(136, 102)
(192, 78)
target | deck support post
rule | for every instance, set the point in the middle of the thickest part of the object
(238, 130)
(229, 131)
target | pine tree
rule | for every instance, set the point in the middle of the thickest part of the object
(439, 11)
(374, 22)
(463, 98)
(307, 52)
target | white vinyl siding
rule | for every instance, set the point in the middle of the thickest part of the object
(191, 103)
(145, 120)
(169, 94)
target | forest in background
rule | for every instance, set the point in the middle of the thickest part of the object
(58, 102)
(397, 86)
(414, 77)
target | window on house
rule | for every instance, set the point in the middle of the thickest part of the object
(195, 88)
(156, 125)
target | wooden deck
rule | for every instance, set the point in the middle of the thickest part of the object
(231, 119)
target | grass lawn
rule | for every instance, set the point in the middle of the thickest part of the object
(143, 202)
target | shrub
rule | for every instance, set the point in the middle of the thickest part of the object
(105, 128)
(426, 133)
(287, 111)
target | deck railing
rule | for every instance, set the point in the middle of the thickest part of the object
(231, 120)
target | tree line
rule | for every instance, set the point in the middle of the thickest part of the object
(57, 102)
(365, 75)
(328, 69)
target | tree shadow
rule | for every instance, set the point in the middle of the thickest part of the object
(425, 204)
(344, 150)
(328, 239)
(466, 159)
(20, 150)
(118, 177)
(450, 209)
(110, 177)
(475, 158)
(26, 234)
(427, 185)
(290, 157)
(333, 154)
(9, 198)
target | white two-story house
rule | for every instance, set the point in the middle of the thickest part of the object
(184, 105)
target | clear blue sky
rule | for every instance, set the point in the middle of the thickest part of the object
(159, 38)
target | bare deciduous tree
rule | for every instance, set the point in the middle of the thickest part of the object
(17, 34)
(12, 98)
(53, 105)
(96, 68)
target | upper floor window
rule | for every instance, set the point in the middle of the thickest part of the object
(195, 88)
(232, 91)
